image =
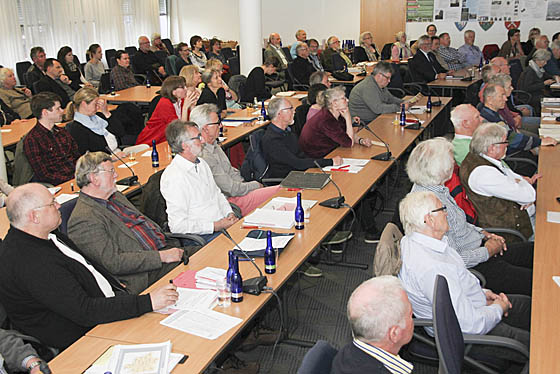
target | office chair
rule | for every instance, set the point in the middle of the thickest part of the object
(318, 360)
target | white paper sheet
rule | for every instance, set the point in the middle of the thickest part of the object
(228, 123)
(250, 244)
(350, 165)
(193, 299)
(129, 163)
(100, 366)
(207, 324)
(278, 219)
(288, 203)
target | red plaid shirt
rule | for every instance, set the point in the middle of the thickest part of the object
(51, 154)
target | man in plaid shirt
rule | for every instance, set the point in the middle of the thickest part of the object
(121, 74)
(451, 56)
(50, 150)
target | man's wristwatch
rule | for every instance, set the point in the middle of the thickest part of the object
(34, 364)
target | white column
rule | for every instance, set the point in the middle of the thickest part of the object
(250, 39)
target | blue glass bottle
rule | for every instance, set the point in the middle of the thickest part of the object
(230, 267)
(263, 111)
(402, 120)
(148, 85)
(429, 104)
(236, 282)
(480, 64)
(113, 93)
(155, 155)
(300, 214)
(269, 255)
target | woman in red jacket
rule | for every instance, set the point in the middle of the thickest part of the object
(175, 103)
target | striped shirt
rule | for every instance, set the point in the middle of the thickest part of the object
(395, 364)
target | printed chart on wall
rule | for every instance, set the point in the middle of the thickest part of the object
(419, 10)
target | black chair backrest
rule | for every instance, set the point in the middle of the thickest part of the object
(396, 77)
(161, 56)
(111, 57)
(227, 52)
(515, 70)
(447, 331)
(131, 50)
(66, 210)
(21, 69)
(168, 45)
(152, 202)
(105, 83)
(170, 67)
(359, 54)
(386, 51)
(287, 53)
(153, 105)
(300, 117)
(318, 359)
(235, 83)
(234, 67)
(255, 166)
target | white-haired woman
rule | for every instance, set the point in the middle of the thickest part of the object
(366, 51)
(535, 79)
(400, 49)
(17, 99)
(429, 166)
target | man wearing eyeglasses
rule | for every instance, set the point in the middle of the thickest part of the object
(425, 253)
(370, 97)
(195, 204)
(111, 231)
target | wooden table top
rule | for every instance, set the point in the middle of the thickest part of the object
(137, 94)
(455, 83)
(12, 133)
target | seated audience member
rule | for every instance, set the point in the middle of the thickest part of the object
(400, 49)
(541, 42)
(68, 293)
(552, 66)
(302, 68)
(506, 268)
(213, 91)
(48, 83)
(231, 96)
(366, 51)
(535, 79)
(9, 115)
(94, 68)
(274, 49)
(320, 77)
(333, 52)
(488, 72)
(471, 53)
(175, 103)
(435, 50)
(195, 204)
(93, 127)
(301, 37)
(17, 99)
(529, 45)
(556, 36)
(184, 57)
(380, 318)
(426, 253)
(122, 75)
(157, 44)
(16, 355)
(280, 144)
(50, 150)
(423, 66)
(454, 59)
(145, 61)
(37, 70)
(197, 56)
(512, 47)
(501, 197)
(331, 127)
(246, 195)
(255, 86)
(71, 69)
(112, 232)
(192, 76)
(465, 119)
(431, 31)
(216, 51)
(316, 99)
(370, 97)
(313, 54)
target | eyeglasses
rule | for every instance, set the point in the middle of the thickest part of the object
(386, 77)
(442, 209)
(504, 142)
(112, 171)
(289, 108)
(215, 123)
(46, 205)
(198, 137)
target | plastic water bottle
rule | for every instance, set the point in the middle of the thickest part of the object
(429, 104)
(155, 155)
(236, 282)
(148, 85)
(230, 267)
(269, 255)
(300, 214)
(402, 120)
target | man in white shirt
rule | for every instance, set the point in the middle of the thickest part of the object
(426, 254)
(195, 204)
(501, 197)
(275, 49)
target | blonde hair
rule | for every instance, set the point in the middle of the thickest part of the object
(188, 73)
(87, 94)
(214, 64)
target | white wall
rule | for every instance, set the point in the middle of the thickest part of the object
(497, 34)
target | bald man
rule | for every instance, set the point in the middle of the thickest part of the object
(274, 49)
(380, 317)
(49, 288)
(465, 119)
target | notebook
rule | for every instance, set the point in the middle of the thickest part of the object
(309, 181)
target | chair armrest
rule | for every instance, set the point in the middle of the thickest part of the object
(480, 277)
(413, 88)
(140, 78)
(522, 160)
(496, 341)
(194, 237)
(423, 322)
(498, 230)
(397, 92)
(271, 181)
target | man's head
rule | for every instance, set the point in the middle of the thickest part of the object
(555, 36)
(313, 46)
(490, 139)
(33, 209)
(435, 43)
(501, 63)
(431, 30)
(333, 42)
(382, 73)
(380, 314)
(494, 97)
(156, 40)
(504, 81)
(122, 58)
(425, 43)
(424, 213)
(444, 39)
(555, 47)
(542, 42)
(7, 78)
(144, 44)
(45, 106)
(534, 33)
(271, 65)
(465, 119)
(38, 56)
(469, 37)
(302, 50)
(301, 36)
(281, 112)
(53, 68)
(96, 175)
(488, 71)
(319, 77)
(513, 35)
(207, 119)
(184, 139)
(275, 39)
(431, 162)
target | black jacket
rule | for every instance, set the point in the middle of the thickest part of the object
(302, 70)
(53, 297)
(208, 97)
(424, 70)
(47, 84)
(87, 140)
(255, 86)
(352, 360)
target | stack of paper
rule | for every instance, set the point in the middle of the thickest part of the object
(285, 94)
(208, 277)
(350, 165)
(417, 109)
(253, 245)
(552, 132)
(232, 123)
(207, 324)
(299, 96)
(278, 219)
(64, 197)
(288, 203)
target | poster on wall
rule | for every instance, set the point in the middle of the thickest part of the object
(470, 10)
(553, 10)
(497, 10)
(531, 9)
(447, 10)
(419, 10)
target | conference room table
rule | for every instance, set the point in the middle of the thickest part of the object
(454, 84)
(135, 95)
(201, 352)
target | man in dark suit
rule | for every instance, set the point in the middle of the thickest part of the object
(302, 68)
(53, 71)
(424, 66)
(35, 71)
(145, 61)
(380, 316)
